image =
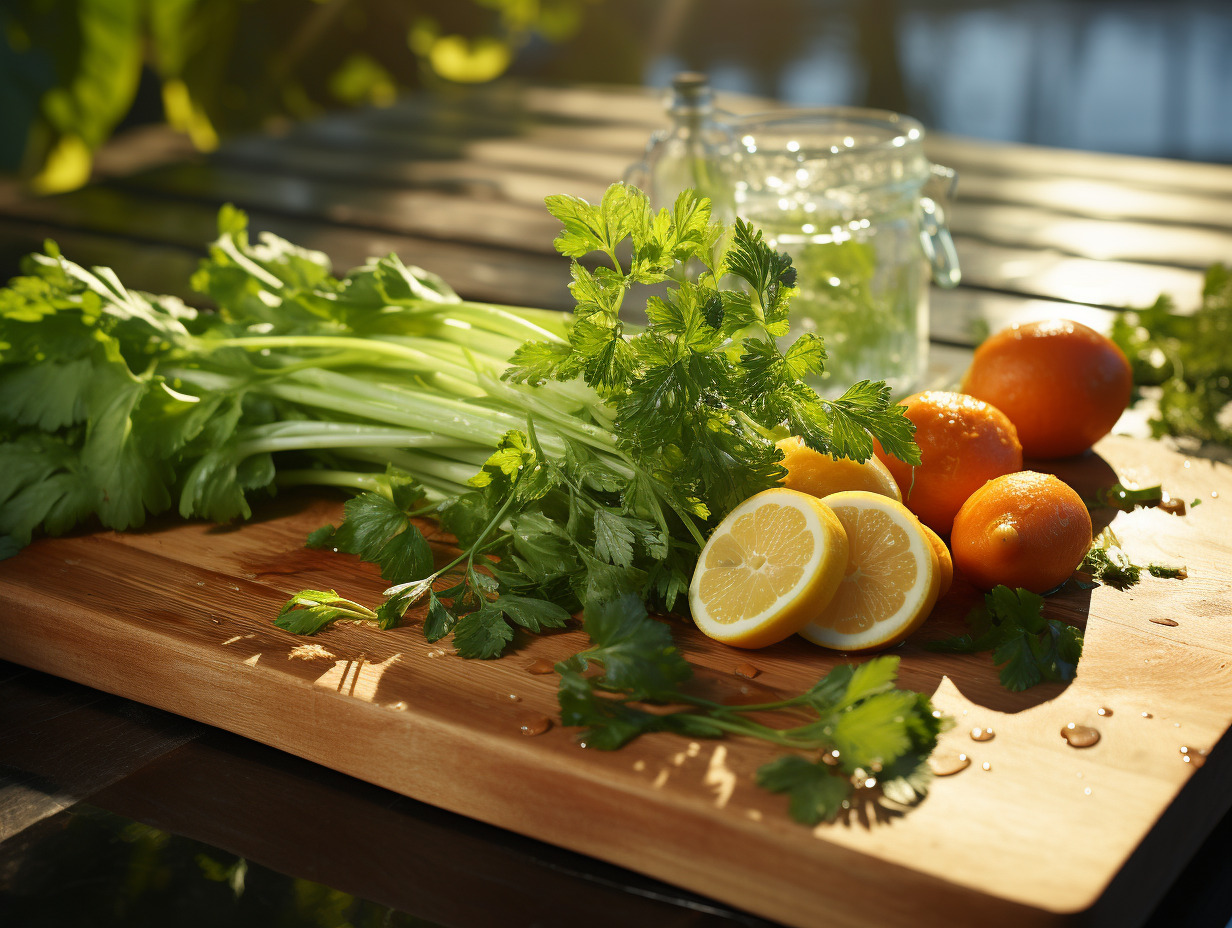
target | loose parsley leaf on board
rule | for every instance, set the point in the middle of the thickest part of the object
(1125, 498)
(863, 726)
(1028, 648)
(1107, 563)
(309, 611)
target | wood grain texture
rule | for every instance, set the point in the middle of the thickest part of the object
(178, 616)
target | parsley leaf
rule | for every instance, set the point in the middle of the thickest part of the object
(1188, 358)
(1028, 648)
(1107, 563)
(817, 795)
(309, 611)
(379, 530)
(482, 634)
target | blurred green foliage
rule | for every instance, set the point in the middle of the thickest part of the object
(70, 70)
(92, 868)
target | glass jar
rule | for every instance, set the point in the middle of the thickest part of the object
(850, 195)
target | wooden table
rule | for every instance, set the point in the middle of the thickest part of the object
(455, 183)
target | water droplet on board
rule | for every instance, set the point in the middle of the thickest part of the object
(1079, 736)
(540, 667)
(747, 670)
(1174, 506)
(398, 706)
(1087, 791)
(946, 765)
(514, 697)
(1195, 758)
(1214, 494)
(1171, 623)
(536, 726)
(830, 758)
(1147, 715)
(982, 734)
(1104, 711)
(986, 765)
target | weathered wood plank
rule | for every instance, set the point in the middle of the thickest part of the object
(477, 272)
(516, 220)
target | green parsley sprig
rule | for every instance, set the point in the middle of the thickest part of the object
(859, 728)
(1027, 648)
(698, 394)
(1107, 563)
(1126, 499)
(1188, 357)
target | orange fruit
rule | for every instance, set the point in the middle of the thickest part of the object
(1062, 384)
(820, 474)
(964, 442)
(769, 566)
(944, 561)
(891, 581)
(1027, 530)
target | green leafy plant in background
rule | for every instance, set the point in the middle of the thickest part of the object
(70, 70)
(1186, 359)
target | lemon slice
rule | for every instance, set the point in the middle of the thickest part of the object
(819, 474)
(891, 582)
(768, 569)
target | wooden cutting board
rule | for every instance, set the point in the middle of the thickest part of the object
(1033, 832)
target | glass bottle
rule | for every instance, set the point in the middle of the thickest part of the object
(689, 153)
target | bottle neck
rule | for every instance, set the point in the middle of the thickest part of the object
(692, 100)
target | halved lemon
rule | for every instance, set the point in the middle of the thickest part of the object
(768, 569)
(820, 474)
(944, 560)
(891, 582)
